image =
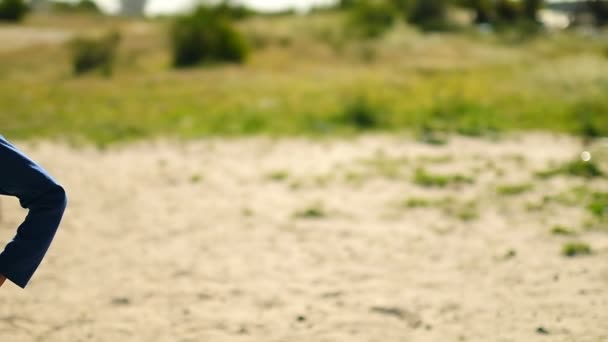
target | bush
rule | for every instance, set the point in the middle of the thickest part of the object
(12, 10)
(371, 19)
(429, 15)
(90, 54)
(361, 114)
(207, 35)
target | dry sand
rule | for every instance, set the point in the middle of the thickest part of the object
(201, 241)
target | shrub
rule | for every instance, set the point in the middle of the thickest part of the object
(207, 35)
(429, 15)
(361, 114)
(90, 54)
(12, 10)
(371, 19)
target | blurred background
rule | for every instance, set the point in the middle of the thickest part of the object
(313, 170)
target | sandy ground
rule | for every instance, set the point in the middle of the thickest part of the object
(210, 241)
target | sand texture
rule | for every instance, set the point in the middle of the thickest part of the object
(256, 239)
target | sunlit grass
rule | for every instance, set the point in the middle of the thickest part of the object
(457, 83)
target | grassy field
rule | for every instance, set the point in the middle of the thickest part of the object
(303, 77)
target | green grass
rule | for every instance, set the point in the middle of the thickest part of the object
(459, 84)
(598, 205)
(196, 178)
(464, 211)
(278, 176)
(315, 211)
(573, 249)
(427, 179)
(513, 189)
(418, 203)
(562, 230)
(576, 168)
(386, 167)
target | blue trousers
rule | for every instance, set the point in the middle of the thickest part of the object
(45, 200)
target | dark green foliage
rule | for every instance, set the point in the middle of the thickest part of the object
(207, 35)
(84, 6)
(346, 4)
(233, 11)
(599, 9)
(403, 6)
(503, 12)
(573, 249)
(508, 10)
(12, 10)
(371, 19)
(484, 10)
(90, 54)
(429, 15)
(592, 118)
(361, 114)
(531, 9)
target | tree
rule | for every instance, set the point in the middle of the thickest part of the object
(12, 10)
(207, 35)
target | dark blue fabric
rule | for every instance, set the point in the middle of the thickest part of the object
(45, 199)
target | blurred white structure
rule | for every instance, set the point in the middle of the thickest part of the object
(133, 8)
(553, 19)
